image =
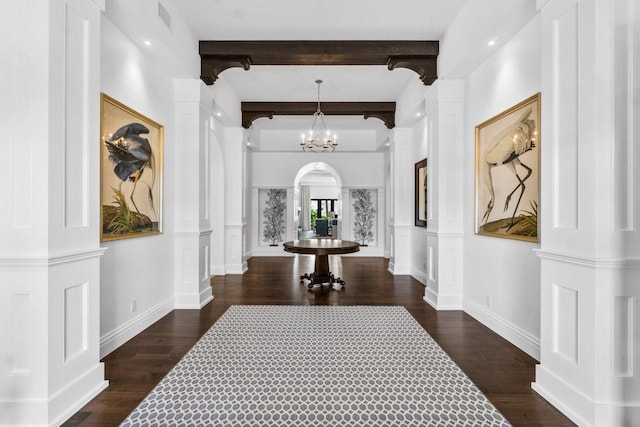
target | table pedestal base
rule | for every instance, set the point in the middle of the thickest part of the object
(321, 274)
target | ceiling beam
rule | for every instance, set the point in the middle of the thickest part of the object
(419, 56)
(385, 111)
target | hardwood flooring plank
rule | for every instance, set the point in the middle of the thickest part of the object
(499, 369)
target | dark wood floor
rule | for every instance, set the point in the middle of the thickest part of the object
(499, 369)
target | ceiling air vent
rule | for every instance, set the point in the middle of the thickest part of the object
(164, 15)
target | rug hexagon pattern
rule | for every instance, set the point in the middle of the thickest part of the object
(316, 366)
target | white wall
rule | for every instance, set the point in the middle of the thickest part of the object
(138, 269)
(323, 192)
(280, 169)
(356, 170)
(502, 277)
(419, 145)
(49, 227)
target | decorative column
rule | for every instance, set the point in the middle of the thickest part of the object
(402, 202)
(444, 106)
(235, 224)
(290, 229)
(255, 221)
(193, 222)
(346, 221)
(49, 215)
(590, 244)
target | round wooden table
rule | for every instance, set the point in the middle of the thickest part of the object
(321, 248)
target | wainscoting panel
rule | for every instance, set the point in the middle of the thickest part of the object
(234, 262)
(75, 320)
(626, 92)
(77, 132)
(21, 329)
(444, 285)
(565, 322)
(565, 111)
(204, 262)
(624, 330)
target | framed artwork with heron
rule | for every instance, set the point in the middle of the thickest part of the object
(507, 195)
(130, 172)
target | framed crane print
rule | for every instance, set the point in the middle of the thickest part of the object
(507, 175)
(130, 172)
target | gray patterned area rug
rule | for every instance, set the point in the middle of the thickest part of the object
(316, 366)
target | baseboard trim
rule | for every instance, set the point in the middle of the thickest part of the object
(512, 333)
(442, 302)
(95, 383)
(217, 270)
(188, 302)
(114, 339)
(420, 276)
(399, 270)
(237, 268)
(55, 409)
(563, 396)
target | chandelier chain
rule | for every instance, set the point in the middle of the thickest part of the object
(319, 138)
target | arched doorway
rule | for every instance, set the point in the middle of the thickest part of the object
(317, 184)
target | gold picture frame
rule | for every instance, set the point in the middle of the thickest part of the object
(131, 166)
(507, 175)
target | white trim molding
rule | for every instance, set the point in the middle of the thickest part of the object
(43, 261)
(610, 263)
(522, 339)
(115, 338)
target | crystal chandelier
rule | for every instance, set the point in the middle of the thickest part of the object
(318, 139)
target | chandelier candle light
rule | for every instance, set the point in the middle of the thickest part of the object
(319, 137)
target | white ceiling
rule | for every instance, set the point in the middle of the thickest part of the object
(318, 20)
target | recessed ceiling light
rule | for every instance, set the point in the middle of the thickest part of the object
(492, 42)
(418, 114)
(147, 43)
(218, 113)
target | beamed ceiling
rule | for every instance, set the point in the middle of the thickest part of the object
(418, 56)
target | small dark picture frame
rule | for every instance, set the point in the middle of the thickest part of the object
(421, 193)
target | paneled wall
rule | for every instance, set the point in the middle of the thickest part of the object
(590, 264)
(49, 229)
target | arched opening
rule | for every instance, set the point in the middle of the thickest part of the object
(317, 195)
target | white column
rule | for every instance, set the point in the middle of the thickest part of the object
(255, 221)
(590, 244)
(234, 202)
(346, 232)
(217, 204)
(402, 202)
(192, 209)
(444, 252)
(49, 217)
(291, 230)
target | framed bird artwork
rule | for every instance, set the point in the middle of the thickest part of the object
(421, 191)
(130, 172)
(507, 196)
